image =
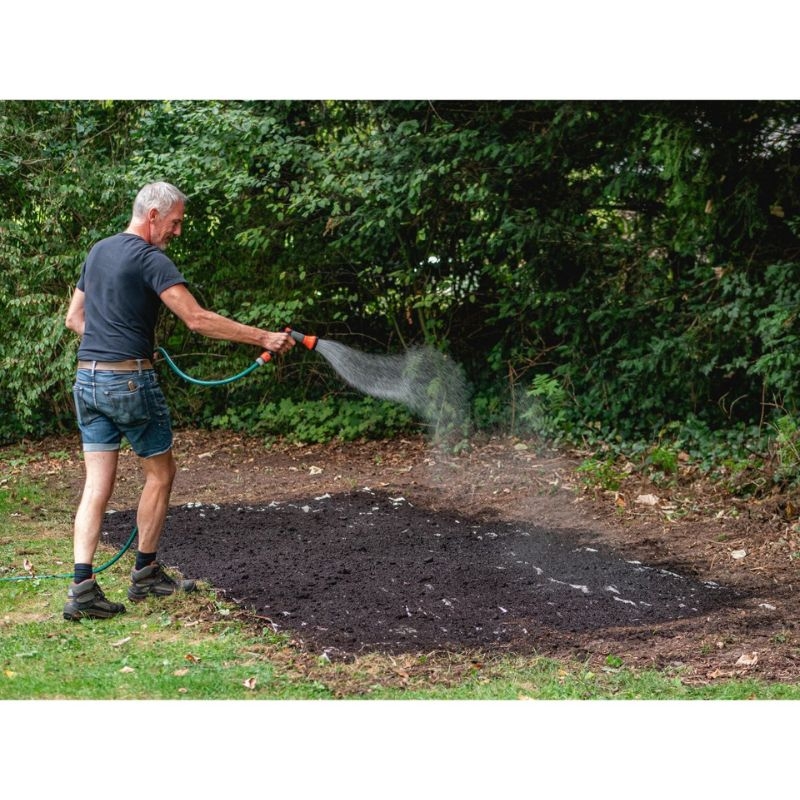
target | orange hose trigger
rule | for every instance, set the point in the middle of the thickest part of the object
(308, 341)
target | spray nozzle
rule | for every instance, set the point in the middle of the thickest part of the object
(309, 341)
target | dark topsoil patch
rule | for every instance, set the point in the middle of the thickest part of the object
(367, 571)
(392, 547)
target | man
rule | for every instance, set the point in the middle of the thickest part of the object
(114, 309)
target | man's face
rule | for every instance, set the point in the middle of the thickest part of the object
(164, 226)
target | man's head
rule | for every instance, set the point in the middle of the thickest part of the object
(158, 213)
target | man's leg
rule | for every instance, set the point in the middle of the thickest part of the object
(84, 597)
(148, 577)
(101, 472)
(159, 473)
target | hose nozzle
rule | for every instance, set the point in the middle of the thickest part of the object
(309, 341)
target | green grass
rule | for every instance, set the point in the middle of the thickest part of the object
(193, 647)
(147, 656)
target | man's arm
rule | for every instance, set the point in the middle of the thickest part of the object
(76, 313)
(182, 303)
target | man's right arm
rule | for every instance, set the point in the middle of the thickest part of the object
(182, 303)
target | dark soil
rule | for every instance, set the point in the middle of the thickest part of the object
(367, 571)
(391, 547)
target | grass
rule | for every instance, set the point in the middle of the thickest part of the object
(196, 648)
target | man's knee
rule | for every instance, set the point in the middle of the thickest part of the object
(161, 469)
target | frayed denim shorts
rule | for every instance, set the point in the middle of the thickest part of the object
(112, 405)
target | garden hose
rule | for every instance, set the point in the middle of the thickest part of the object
(109, 563)
(262, 359)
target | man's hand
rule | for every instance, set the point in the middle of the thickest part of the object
(277, 342)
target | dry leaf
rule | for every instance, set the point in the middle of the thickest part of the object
(127, 669)
(250, 683)
(182, 690)
(28, 566)
(314, 470)
(179, 673)
(193, 658)
(738, 554)
(747, 660)
(647, 500)
(121, 642)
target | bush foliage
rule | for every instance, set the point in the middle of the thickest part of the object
(610, 269)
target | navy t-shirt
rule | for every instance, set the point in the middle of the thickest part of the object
(122, 279)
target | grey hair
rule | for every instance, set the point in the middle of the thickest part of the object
(161, 196)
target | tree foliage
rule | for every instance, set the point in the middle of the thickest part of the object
(633, 263)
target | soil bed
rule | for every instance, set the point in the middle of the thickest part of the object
(391, 547)
(367, 571)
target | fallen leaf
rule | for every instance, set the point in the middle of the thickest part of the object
(179, 673)
(10, 673)
(738, 554)
(314, 470)
(717, 673)
(647, 500)
(747, 660)
(182, 690)
(28, 566)
(127, 669)
(193, 658)
(121, 642)
(250, 683)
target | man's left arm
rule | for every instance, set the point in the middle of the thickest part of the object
(76, 313)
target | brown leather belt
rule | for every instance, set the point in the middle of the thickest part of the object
(131, 365)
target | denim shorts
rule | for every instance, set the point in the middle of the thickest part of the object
(110, 405)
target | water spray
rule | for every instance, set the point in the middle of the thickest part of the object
(422, 378)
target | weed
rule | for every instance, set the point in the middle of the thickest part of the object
(597, 474)
(663, 463)
(787, 450)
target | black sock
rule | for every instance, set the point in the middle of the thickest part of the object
(82, 572)
(144, 559)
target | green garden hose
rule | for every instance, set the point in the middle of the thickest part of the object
(109, 563)
(262, 359)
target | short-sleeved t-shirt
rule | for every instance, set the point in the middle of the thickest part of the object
(122, 279)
